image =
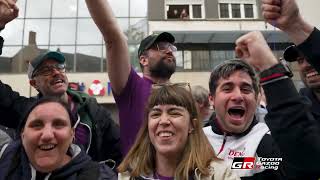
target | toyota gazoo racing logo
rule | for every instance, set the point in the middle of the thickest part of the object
(255, 163)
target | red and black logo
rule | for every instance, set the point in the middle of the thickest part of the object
(243, 163)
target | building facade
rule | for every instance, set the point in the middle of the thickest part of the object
(207, 29)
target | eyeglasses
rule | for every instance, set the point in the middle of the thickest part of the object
(181, 85)
(47, 70)
(164, 46)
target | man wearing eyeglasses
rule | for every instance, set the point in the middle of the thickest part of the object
(95, 130)
(157, 61)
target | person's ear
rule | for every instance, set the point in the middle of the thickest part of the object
(33, 83)
(144, 60)
(191, 127)
(211, 100)
(22, 133)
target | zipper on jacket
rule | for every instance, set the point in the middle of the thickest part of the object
(223, 143)
(90, 132)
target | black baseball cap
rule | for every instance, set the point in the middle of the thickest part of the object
(147, 42)
(33, 65)
(291, 53)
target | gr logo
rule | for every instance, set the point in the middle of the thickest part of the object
(243, 163)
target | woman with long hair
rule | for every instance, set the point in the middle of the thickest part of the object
(171, 143)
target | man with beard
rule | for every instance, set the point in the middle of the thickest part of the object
(158, 64)
(94, 130)
(309, 76)
(157, 61)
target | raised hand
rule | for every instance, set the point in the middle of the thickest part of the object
(285, 15)
(253, 48)
(8, 11)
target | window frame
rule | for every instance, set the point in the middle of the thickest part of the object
(189, 3)
(242, 9)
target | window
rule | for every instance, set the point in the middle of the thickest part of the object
(85, 35)
(59, 35)
(231, 9)
(138, 8)
(183, 60)
(224, 10)
(178, 12)
(184, 9)
(219, 56)
(63, 8)
(34, 10)
(248, 10)
(187, 60)
(202, 60)
(196, 9)
(236, 11)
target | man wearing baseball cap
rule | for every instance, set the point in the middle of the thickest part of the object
(94, 130)
(308, 75)
(157, 61)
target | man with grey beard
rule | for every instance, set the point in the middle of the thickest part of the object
(157, 61)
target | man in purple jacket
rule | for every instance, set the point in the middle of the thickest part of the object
(157, 60)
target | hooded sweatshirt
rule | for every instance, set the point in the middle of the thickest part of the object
(14, 164)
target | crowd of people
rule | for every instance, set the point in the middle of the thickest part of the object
(167, 130)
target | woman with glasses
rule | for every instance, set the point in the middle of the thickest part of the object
(45, 150)
(171, 143)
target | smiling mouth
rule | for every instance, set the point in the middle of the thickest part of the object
(165, 134)
(312, 74)
(57, 81)
(236, 112)
(47, 147)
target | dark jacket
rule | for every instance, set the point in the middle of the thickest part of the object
(315, 108)
(294, 129)
(105, 136)
(294, 120)
(14, 164)
(267, 148)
